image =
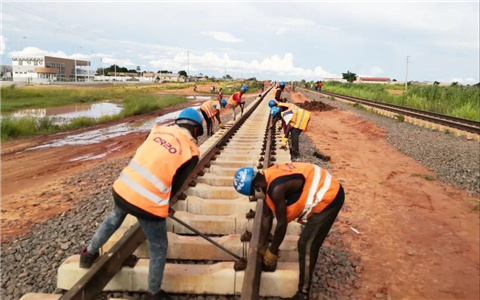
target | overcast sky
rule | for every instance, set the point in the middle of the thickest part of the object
(279, 41)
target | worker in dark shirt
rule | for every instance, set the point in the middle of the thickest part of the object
(157, 171)
(299, 192)
(278, 92)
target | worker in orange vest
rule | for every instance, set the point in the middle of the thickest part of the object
(211, 109)
(296, 120)
(299, 192)
(157, 171)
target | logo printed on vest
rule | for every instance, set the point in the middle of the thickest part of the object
(171, 149)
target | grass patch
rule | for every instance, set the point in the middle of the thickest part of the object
(459, 101)
(14, 98)
(358, 105)
(30, 126)
(400, 118)
(332, 98)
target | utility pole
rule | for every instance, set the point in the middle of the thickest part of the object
(188, 63)
(225, 70)
(406, 76)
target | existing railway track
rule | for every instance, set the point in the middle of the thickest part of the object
(207, 202)
(465, 125)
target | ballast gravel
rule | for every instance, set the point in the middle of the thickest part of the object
(453, 159)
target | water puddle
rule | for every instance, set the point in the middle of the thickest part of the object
(199, 97)
(65, 113)
(99, 135)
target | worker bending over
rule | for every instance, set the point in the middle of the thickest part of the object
(283, 106)
(298, 191)
(211, 110)
(157, 171)
(236, 100)
(296, 120)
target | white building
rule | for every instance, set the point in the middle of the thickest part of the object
(43, 69)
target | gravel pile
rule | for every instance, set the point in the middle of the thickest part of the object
(454, 160)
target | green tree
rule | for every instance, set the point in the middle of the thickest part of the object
(454, 83)
(436, 83)
(182, 73)
(349, 76)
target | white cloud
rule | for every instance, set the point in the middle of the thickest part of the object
(222, 36)
(376, 71)
(2, 44)
(276, 65)
(118, 62)
(468, 80)
(281, 30)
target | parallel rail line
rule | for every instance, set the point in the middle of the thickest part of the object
(445, 120)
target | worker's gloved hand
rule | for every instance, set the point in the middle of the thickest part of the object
(269, 262)
(262, 252)
(221, 125)
(283, 144)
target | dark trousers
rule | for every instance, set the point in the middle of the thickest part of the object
(295, 135)
(209, 123)
(312, 237)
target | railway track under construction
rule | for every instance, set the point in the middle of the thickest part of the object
(208, 203)
(458, 126)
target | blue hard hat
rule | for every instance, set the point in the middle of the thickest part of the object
(274, 110)
(192, 115)
(223, 102)
(272, 103)
(242, 181)
(282, 83)
(244, 89)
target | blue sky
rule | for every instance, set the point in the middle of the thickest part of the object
(268, 40)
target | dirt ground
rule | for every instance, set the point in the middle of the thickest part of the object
(419, 239)
(33, 183)
(395, 92)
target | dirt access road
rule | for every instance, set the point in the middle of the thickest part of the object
(418, 239)
(34, 182)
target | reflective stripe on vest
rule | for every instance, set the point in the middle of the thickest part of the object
(300, 118)
(314, 197)
(143, 191)
(207, 107)
(147, 180)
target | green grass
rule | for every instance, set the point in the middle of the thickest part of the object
(424, 176)
(134, 105)
(14, 98)
(459, 101)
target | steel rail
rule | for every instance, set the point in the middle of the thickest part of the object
(450, 121)
(252, 276)
(110, 263)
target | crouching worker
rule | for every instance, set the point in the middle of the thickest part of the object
(296, 120)
(299, 192)
(210, 110)
(156, 172)
(236, 100)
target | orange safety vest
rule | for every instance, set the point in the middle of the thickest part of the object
(207, 107)
(300, 118)
(233, 102)
(147, 180)
(319, 190)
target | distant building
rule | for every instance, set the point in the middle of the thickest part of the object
(333, 79)
(44, 69)
(384, 80)
(6, 72)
